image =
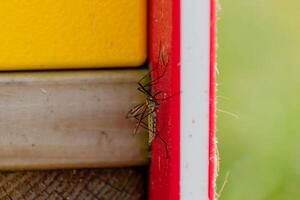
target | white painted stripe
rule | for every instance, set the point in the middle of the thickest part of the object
(194, 98)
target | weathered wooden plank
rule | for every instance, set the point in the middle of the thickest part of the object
(87, 184)
(69, 119)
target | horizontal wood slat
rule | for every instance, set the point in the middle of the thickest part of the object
(87, 184)
(69, 119)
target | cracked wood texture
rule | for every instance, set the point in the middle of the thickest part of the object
(85, 184)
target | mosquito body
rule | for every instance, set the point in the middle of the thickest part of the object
(152, 123)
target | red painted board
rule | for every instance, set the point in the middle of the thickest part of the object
(164, 22)
(212, 103)
(164, 39)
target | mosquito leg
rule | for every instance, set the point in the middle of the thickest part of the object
(150, 96)
(156, 80)
(165, 145)
(146, 76)
(140, 120)
(165, 64)
(134, 111)
(144, 90)
(162, 57)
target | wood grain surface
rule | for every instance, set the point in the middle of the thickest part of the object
(85, 184)
(51, 120)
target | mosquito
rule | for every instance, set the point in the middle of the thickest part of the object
(143, 110)
(145, 113)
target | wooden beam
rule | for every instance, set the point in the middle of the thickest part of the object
(69, 120)
(87, 184)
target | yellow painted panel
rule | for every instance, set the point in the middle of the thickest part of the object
(51, 34)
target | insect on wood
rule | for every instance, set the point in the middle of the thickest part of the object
(145, 113)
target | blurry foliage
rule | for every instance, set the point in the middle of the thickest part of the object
(259, 80)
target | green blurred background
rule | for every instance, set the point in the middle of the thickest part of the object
(259, 80)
